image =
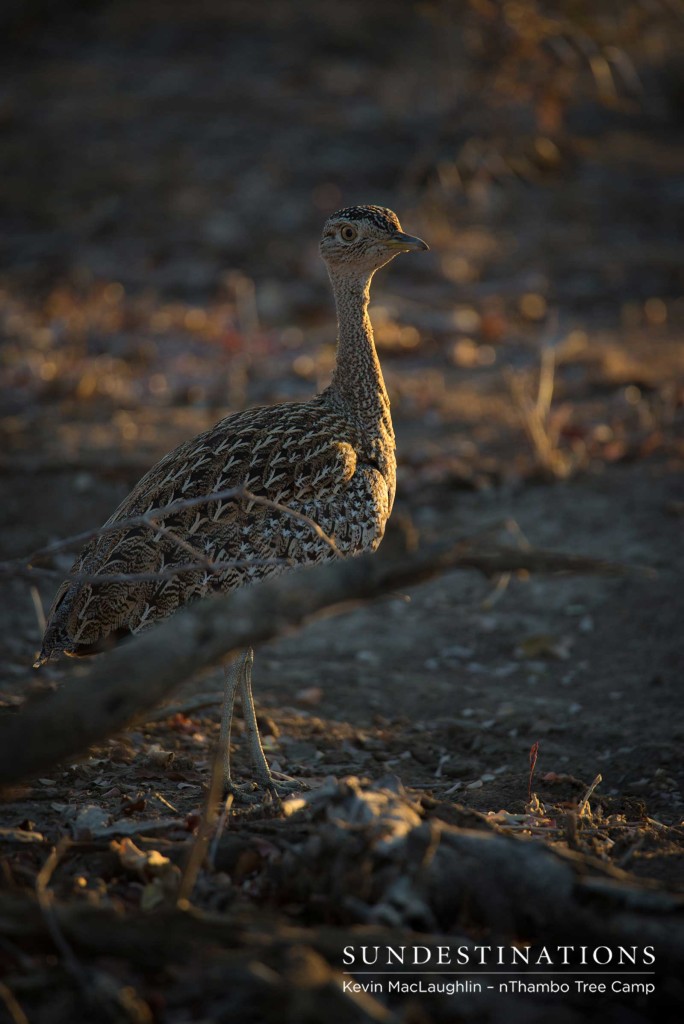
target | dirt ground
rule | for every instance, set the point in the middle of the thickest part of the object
(163, 182)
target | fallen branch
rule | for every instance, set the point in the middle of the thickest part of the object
(434, 874)
(393, 873)
(136, 676)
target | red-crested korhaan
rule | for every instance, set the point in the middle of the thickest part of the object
(331, 459)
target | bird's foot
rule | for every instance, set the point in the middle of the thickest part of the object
(275, 787)
(281, 785)
(243, 792)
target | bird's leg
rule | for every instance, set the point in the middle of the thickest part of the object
(239, 677)
(256, 750)
(278, 783)
(233, 675)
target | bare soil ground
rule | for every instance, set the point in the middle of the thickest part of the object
(163, 185)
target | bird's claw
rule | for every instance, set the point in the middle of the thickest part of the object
(277, 785)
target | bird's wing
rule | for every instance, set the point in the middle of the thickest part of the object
(302, 456)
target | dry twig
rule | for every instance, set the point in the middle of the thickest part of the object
(204, 830)
(150, 520)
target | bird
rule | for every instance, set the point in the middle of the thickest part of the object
(312, 481)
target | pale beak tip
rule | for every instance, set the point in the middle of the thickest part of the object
(408, 243)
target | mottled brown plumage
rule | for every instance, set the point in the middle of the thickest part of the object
(331, 459)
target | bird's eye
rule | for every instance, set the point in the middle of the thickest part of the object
(348, 232)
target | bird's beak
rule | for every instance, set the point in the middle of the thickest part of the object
(407, 243)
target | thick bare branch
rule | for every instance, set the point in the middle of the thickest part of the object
(139, 674)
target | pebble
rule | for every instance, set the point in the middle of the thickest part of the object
(83, 482)
(478, 784)
(310, 695)
(503, 671)
(457, 651)
(89, 819)
(488, 623)
(368, 657)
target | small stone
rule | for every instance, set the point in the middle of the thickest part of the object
(575, 609)
(503, 671)
(478, 784)
(457, 651)
(89, 821)
(488, 623)
(310, 695)
(83, 482)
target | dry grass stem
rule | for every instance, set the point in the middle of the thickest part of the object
(584, 802)
(17, 1015)
(542, 429)
(204, 830)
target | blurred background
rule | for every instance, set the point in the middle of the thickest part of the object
(165, 171)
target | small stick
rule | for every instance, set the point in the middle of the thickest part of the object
(204, 830)
(534, 751)
(45, 899)
(38, 608)
(497, 592)
(203, 560)
(585, 799)
(33, 572)
(11, 1005)
(196, 703)
(225, 810)
(258, 500)
(126, 524)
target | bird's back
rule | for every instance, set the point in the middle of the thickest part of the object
(310, 457)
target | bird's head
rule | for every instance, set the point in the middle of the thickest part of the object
(360, 239)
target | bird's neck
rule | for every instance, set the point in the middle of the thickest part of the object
(357, 377)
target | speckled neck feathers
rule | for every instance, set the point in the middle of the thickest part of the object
(357, 378)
